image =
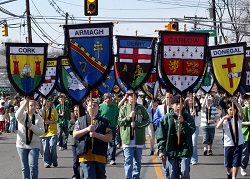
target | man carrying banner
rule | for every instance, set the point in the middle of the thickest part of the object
(133, 119)
(179, 155)
(93, 140)
(50, 137)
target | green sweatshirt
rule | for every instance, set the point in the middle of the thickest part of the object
(167, 135)
(141, 122)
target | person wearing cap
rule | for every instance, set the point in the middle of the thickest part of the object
(109, 110)
(63, 111)
(246, 134)
(50, 137)
(179, 155)
(133, 119)
(93, 137)
(209, 116)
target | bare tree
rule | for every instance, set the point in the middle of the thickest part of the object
(237, 14)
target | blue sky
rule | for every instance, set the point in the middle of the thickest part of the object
(141, 16)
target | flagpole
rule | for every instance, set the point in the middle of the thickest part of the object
(179, 123)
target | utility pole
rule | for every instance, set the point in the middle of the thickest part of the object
(28, 21)
(65, 41)
(195, 22)
(214, 21)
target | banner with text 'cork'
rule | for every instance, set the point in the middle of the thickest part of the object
(26, 66)
(90, 49)
(183, 58)
(227, 62)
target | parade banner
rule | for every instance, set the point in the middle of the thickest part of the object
(159, 76)
(135, 59)
(208, 80)
(73, 86)
(183, 58)
(59, 87)
(120, 83)
(227, 62)
(26, 66)
(90, 50)
(108, 83)
(148, 86)
(246, 72)
(50, 80)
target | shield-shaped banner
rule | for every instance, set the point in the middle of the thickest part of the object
(183, 57)
(159, 76)
(50, 80)
(108, 83)
(90, 50)
(227, 62)
(26, 66)
(148, 86)
(208, 80)
(74, 87)
(246, 72)
(120, 83)
(135, 59)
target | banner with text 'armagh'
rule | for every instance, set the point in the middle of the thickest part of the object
(90, 50)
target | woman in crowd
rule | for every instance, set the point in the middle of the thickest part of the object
(30, 127)
(193, 106)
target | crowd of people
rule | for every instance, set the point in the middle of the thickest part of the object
(101, 125)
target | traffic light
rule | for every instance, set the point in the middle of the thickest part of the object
(91, 7)
(173, 26)
(5, 30)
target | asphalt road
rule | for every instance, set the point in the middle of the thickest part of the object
(208, 166)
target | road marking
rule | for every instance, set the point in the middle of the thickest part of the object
(157, 166)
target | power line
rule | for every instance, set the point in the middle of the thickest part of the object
(43, 18)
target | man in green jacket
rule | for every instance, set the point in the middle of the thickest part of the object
(179, 155)
(133, 119)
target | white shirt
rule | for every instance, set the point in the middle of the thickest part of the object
(228, 141)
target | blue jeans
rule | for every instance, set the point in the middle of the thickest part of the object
(112, 146)
(94, 170)
(13, 125)
(179, 166)
(76, 164)
(63, 140)
(132, 162)
(49, 149)
(29, 162)
(245, 154)
(195, 135)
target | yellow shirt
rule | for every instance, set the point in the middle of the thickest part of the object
(52, 129)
